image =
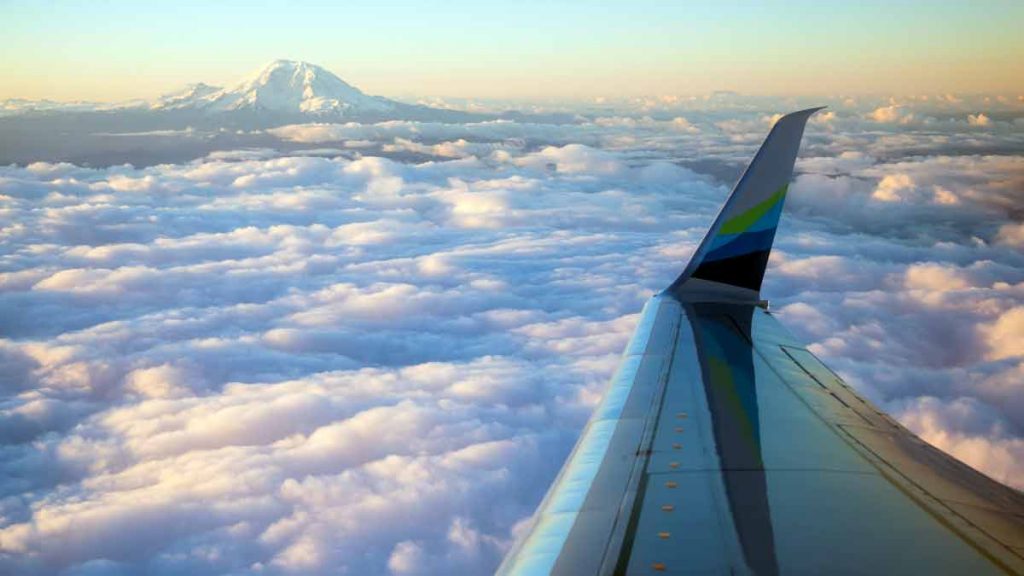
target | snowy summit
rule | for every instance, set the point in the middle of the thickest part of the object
(282, 86)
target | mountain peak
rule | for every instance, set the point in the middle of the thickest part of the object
(290, 68)
(286, 86)
(292, 64)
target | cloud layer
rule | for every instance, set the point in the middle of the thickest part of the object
(373, 357)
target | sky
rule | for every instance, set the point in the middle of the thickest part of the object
(118, 50)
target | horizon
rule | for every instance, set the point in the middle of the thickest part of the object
(1005, 98)
(564, 50)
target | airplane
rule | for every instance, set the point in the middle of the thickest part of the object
(724, 446)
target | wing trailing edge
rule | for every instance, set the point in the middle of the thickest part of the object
(731, 260)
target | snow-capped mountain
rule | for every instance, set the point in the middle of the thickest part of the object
(187, 96)
(284, 92)
(283, 86)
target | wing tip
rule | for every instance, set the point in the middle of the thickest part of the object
(731, 260)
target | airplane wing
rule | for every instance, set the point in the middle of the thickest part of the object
(723, 446)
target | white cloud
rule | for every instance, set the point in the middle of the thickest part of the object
(893, 187)
(979, 120)
(1005, 336)
(1011, 234)
(407, 557)
(891, 114)
(934, 277)
(163, 381)
(574, 159)
(966, 429)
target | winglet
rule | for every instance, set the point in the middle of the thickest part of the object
(731, 259)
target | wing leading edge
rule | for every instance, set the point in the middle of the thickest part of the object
(723, 446)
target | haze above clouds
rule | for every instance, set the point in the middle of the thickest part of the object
(533, 50)
(368, 347)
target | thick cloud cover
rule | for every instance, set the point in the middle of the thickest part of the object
(372, 357)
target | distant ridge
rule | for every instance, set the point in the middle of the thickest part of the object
(283, 91)
(182, 98)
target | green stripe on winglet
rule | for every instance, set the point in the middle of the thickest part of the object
(740, 223)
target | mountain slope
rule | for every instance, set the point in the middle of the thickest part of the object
(191, 95)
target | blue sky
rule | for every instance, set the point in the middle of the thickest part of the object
(531, 49)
